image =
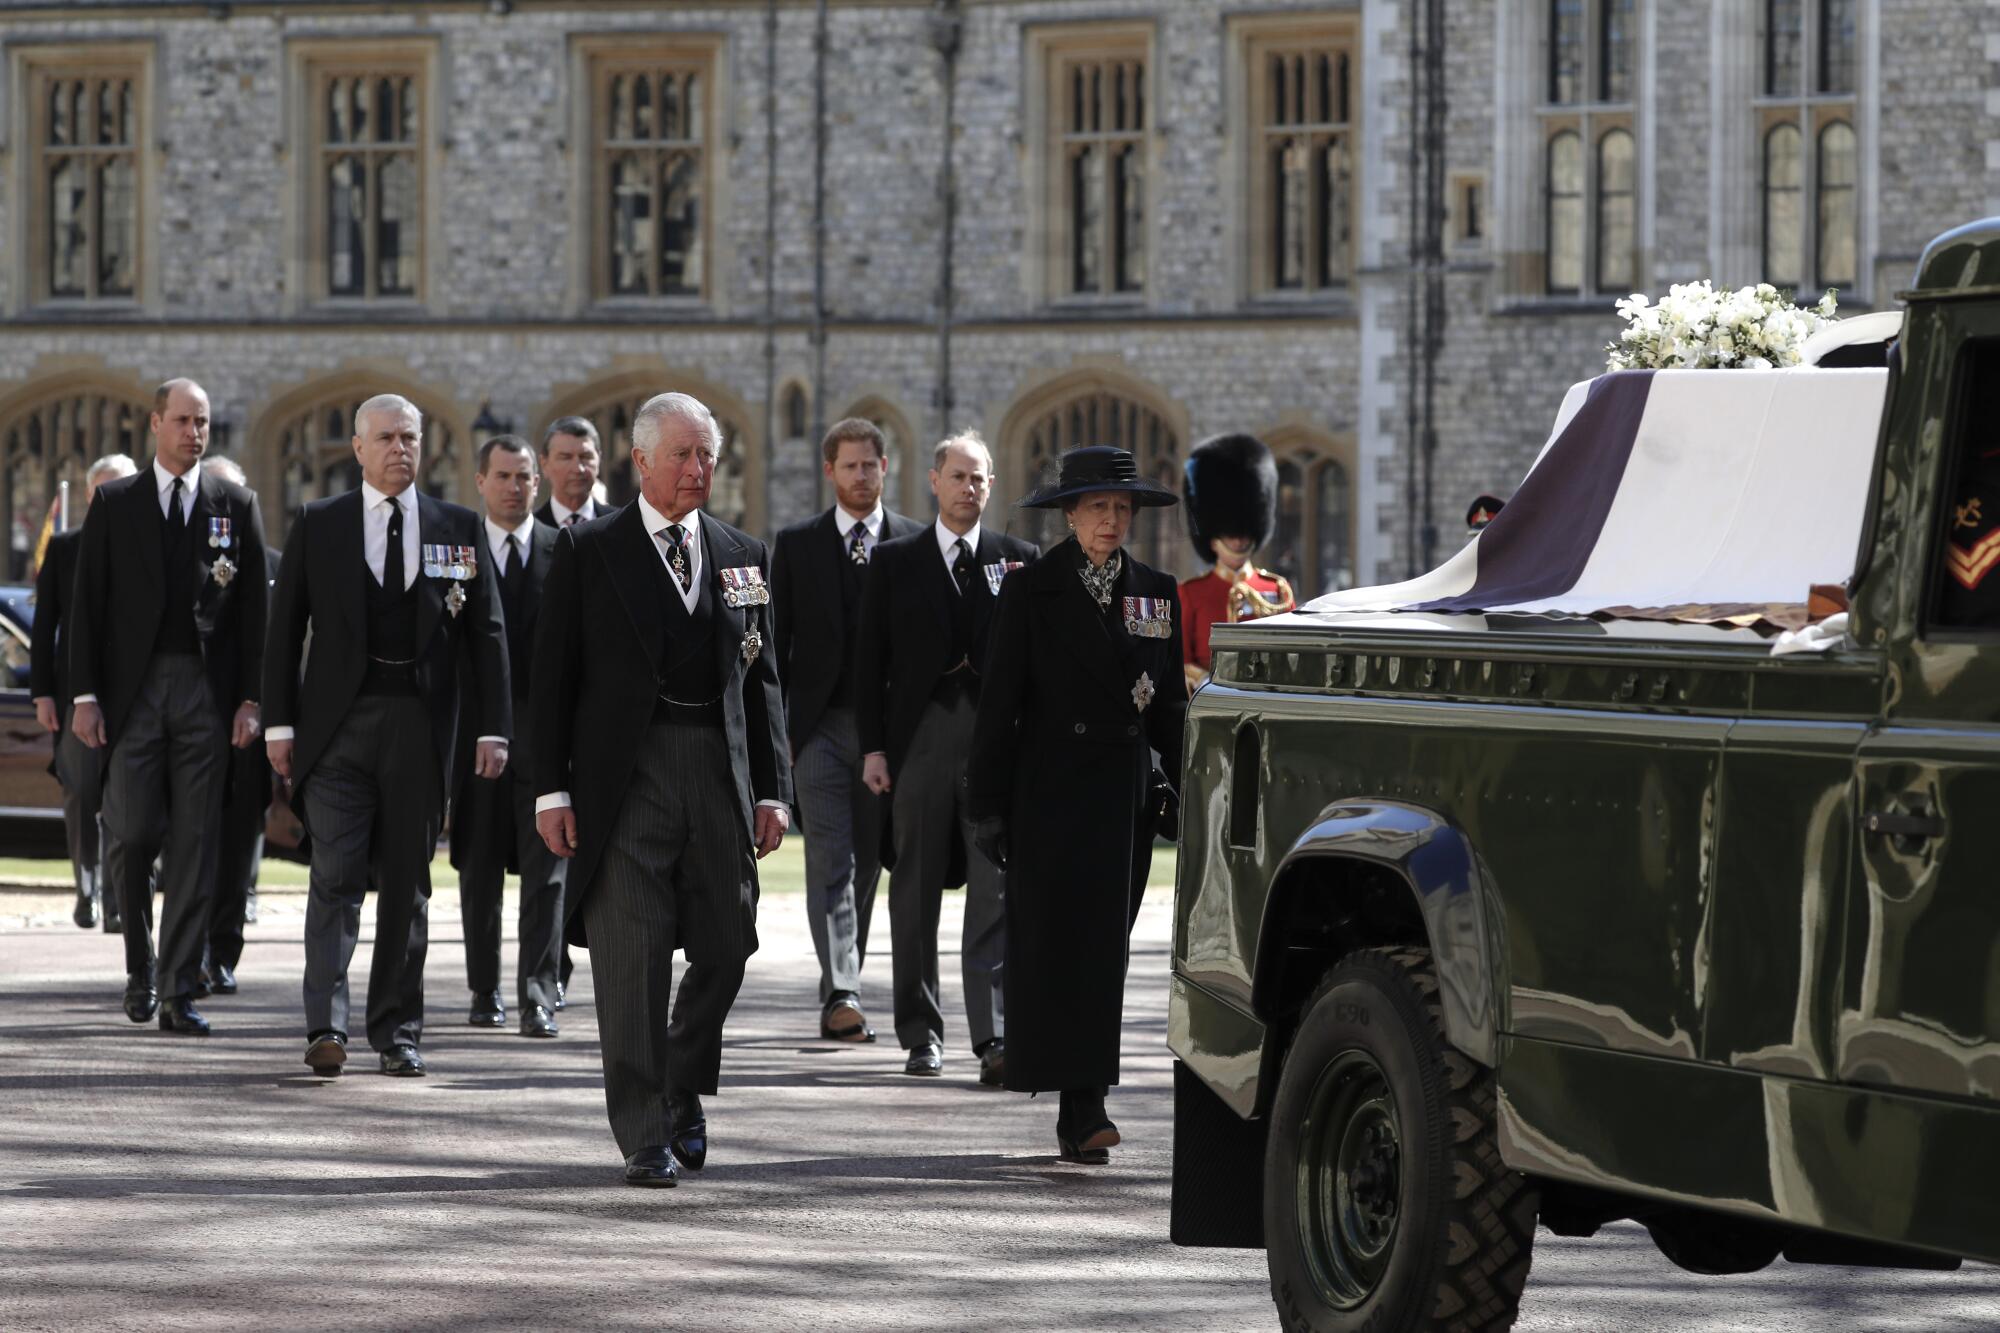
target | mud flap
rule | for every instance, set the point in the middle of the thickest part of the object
(1218, 1170)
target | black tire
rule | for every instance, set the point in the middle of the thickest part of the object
(1386, 1205)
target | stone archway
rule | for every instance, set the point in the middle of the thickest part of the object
(51, 431)
(1097, 406)
(611, 403)
(302, 444)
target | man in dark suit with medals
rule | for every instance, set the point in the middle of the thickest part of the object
(397, 597)
(166, 649)
(817, 573)
(76, 766)
(570, 459)
(493, 820)
(924, 620)
(659, 753)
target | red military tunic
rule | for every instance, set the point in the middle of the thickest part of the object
(1205, 601)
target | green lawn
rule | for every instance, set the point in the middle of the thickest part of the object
(783, 871)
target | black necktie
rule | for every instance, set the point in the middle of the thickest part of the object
(392, 555)
(510, 573)
(572, 520)
(176, 516)
(961, 566)
(857, 543)
(677, 556)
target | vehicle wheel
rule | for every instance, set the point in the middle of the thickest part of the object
(1715, 1246)
(1386, 1205)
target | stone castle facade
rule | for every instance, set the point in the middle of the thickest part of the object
(1169, 218)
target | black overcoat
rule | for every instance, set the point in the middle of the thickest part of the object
(1063, 752)
(591, 704)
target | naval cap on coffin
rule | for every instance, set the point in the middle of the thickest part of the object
(1099, 467)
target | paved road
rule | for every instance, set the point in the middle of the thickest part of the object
(152, 1182)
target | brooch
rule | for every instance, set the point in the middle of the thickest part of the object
(997, 572)
(744, 586)
(1149, 617)
(1142, 691)
(753, 644)
(460, 564)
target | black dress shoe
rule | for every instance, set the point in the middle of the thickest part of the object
(202, 989)
(250, 908)
(179, 1015)
(114, 922)
(993, 1064)
(487, 1010)
(141, 1000)
(85, 912)
(690, 1143)
(537, 1022)
(652, 1167)
(326, 1052)
(221, 980)
(843, 1020)
(926, 1060)
(562, 995)
(402, 1061)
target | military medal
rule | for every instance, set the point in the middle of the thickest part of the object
(744, 586)
(997, 572)
(222, 569)
(1149, 618)
(753, 643)
(1142, 691)
(460, 564)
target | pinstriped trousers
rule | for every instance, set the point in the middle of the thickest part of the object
(677, 873)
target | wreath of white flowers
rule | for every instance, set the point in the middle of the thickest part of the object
(1696, 327)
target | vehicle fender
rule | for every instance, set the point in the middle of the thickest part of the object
(1361, 843)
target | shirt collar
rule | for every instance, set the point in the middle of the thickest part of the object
(561, 511)
(657, 523)
(946, 538)
(844, 521)
(525, 532)
(162, 479)
(371, 499)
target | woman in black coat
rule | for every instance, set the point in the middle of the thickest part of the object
(1083, 682)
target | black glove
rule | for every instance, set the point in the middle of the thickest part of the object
(989, 835)
(1164, 805)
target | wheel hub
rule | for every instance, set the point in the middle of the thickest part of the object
(1349, 1178)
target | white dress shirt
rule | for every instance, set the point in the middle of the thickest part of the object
(657, 525)
(561, 512)
(948, 541)
(163, 481)
(870, 523)
(496, 537)
(375, 550)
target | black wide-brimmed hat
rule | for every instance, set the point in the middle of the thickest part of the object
(1099, 467)
(1232, 491)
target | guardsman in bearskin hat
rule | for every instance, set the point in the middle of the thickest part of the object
(1232, 508)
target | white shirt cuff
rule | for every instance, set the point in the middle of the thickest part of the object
(84, 699)
(775, 805)
(555, 800)
(502, 739)
(278, 733)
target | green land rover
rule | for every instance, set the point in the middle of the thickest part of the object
(1490, 917)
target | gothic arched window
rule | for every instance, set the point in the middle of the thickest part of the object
(55, 440)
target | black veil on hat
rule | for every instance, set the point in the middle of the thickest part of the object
(1099, 467)
(1232, 490)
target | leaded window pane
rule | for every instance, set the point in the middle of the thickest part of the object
(1566, 37)
(680, 255)
(1617, 215)
(1288, 212)
(1614, 56)
(396, 227)
(631, 225)
(1784, 46)
(1836, 46)
(117, 226)
(346, 219)
(1336, 211)
(653, 174)
(1288, 537)
(1784, 240)
(1836, 184)
(69, 256)
(1131, 218)
(1086, 220)
(1103, 175)
(1565, 212)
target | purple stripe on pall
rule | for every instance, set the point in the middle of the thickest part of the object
(1539, 544)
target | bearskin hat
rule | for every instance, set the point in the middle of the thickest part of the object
(1232, 490)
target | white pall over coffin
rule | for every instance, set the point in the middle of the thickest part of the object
(1676, 494)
